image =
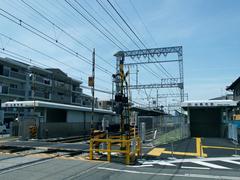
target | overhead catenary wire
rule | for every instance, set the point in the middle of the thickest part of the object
(144, 67)
(51, 40)
(62, 30)
(118, 24)
(100, 23)
(97, 13)
(48, 56)
(144, 25)
(134, 33)
(27, 60)
(104, 34)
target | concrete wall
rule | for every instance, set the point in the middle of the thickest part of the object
(50, 130)
(75, 116)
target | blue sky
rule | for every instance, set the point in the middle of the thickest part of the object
(207, 30)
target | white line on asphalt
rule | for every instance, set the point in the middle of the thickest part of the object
(230, 161)
(163, 163)
(172, 175)
(24, 166)
(191, 160)
(146, 165)
(210, 165)
(204, 159)
(190, 167)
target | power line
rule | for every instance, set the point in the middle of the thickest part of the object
(129, 27)
(140, 18)
(100, 24)
(99, 29)
(105, 21)
(27, 60)
(69, 35)
(47, 37)
(46, 55)
(118, 24)
(92, 24)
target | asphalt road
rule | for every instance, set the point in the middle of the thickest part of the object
(25, 166)
(86, 170)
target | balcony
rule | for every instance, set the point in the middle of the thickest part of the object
(43, 95)
(42, 80)
(13, 91)
(76, 100)
(13, 74)
(77, 89)
(61, 98)
(62, 85)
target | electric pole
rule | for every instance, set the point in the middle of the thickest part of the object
(91, 82)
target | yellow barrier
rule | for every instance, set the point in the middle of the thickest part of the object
(109, 150)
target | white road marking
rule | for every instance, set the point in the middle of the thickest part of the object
(210, 165)
(230, 161)
(190, 167)
(146, 165)
(163, 163)
(192, 160)
(172, 175)
(204, 159)
(24, 166)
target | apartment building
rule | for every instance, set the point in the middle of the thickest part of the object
(20, 81)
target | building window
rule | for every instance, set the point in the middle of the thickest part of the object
(14, 69)
(47, 81)
(13, 86)
(60, 94)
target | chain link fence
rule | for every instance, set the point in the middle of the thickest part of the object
(164, 129)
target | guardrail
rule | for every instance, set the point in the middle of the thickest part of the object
(132, 148)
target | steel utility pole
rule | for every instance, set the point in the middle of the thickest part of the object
(91, 82)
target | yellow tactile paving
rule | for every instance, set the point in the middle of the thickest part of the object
(156, 151)
(182, 153)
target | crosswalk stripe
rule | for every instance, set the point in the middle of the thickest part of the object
(230, 161)
(163, 163)
(210, 165)
(146, 165)
(190, 167)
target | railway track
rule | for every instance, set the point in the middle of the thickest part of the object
(70, 139)
(26, 157)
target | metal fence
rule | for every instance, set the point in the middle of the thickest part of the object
(164, 129)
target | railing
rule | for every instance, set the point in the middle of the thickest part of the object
(43, 80)
(132, 148)
(18, 75)
(13, 74)
(42, 95)
(77, 89)
(13, 91)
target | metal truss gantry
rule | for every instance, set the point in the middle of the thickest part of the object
(150, 55)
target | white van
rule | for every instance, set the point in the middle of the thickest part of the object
(3, 129)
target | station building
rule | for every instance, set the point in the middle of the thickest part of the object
(209, 118)
(55, 119)
(235, 120)
(23, 82)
